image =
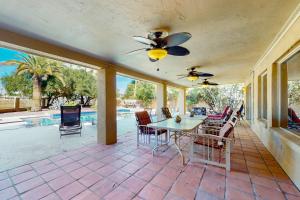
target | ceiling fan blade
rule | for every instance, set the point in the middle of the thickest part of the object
(176, 39)
(177, 51)
(144, 40)
(152, 60)
(136, 51)
(182, 77)
(211, 83)
(203, 74)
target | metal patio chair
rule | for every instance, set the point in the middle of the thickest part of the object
(70, 120)
(166, 112)
(212, 148)
(145, 135)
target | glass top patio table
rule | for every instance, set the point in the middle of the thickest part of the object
(187, 123)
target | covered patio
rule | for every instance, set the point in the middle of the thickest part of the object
(248, 42)
(123, 171)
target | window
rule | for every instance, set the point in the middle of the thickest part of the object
(263, 96)
(173, 100)
(293, 93)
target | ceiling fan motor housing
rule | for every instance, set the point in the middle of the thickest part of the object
(156, 34)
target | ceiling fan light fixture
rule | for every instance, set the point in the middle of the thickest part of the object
(192, 78)
(157, 54)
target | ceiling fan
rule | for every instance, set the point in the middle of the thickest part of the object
(160, 44)
(205, 82)
(194, 75)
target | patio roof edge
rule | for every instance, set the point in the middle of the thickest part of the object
(32, 45)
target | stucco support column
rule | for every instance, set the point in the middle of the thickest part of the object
(283, 95)
(165, 95)
(161, 99)
(273, 114)
(184, 101)
(106, 104)
(181, 101)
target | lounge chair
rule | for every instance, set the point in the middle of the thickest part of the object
(221, 121)
(293, 119)
(166, 112)
(146, 134)
(239, 113)
(70, 120)
(220, 115)
(209, 147)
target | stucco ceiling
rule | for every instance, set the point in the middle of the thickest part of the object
(229, 36)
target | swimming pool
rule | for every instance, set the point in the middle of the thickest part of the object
(86, 117)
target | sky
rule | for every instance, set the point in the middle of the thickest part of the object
(9, 54)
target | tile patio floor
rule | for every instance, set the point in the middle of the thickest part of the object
(123, 171)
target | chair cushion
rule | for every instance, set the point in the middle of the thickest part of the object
(208, 143)
(142, 118)
(151, 131)
(215, 117)
(226, 130)
(225, 111)
(166, 112)
(293, 116)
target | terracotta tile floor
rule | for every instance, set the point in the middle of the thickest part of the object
(123, 171)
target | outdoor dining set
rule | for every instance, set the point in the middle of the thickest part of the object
(210, 137)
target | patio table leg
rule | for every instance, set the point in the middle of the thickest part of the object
(156, 142)
(178, 146)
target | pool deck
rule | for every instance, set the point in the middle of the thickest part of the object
(25, 145)
(20, 145)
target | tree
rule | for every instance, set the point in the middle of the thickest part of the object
(140, 90)
(18, 85)
(85, 86)
(294, 92)
(145, 92)
(52, 88)
(40, 69)
(130, 91)
(172, 96)
(216, 97)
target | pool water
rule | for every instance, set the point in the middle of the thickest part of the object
(55, 119)
(86, 117)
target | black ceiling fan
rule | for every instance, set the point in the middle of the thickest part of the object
(194, 75)
(160, 44)
(205, 82)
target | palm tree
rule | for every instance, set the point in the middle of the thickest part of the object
(40, 69)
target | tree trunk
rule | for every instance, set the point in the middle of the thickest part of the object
(81, 100)
(36, 94)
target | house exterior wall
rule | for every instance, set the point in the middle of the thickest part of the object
(284, 145)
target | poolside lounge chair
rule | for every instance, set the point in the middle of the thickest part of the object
(144, 133)
(293, 119)
(239, 113)
(221, 121)
(70, 120)
(220, 115)
(166, 112)
(208, 148)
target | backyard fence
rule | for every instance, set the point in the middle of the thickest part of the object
(14, 104)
